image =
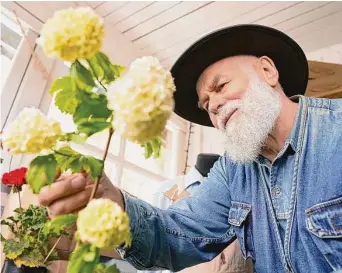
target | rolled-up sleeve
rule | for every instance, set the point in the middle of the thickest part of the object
(192, 231)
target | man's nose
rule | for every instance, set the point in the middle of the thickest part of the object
(214, 106)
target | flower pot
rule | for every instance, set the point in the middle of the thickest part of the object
(10, 267)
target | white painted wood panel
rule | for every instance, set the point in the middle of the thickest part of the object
(43, 10)
(142, 16)
(126, 11)
(248, 17)
(108, 7)
(291, 12)
(197, 23)
(329, 8)
(163, 19)
(320, 24)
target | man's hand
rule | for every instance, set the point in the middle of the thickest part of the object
(71, 193)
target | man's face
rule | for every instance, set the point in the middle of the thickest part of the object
(240, 104)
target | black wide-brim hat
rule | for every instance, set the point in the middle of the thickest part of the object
(255, 40)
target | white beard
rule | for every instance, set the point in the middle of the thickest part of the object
(258, 112)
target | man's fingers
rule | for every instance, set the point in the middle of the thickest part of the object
(64, 186)
(73, 203)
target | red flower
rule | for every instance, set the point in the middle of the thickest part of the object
(15, 177)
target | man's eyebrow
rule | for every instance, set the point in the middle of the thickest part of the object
(210, 87)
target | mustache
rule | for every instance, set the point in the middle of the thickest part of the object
(226, 111)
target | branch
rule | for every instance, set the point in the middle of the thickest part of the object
(97, 181)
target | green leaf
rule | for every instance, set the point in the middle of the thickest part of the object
(30, 258)
(58, 224)
(92, 113)
(13, 248)
(63, 83)
(156, 146)
(74, 137)
(92, 165)
(92, 127)
(148, 149)
(84, 259)
(66, 100)
(118, 70)
(68, 159)
(42, 171)
(96, 67)
(82, 76)
(102, 268)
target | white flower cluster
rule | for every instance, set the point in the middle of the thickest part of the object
(103, 224)
(31, 132)
(142, 100)
(72, 34)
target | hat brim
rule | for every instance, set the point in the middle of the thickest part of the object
(255, 40)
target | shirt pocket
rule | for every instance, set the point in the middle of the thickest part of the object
(240, 218)
(324, 221)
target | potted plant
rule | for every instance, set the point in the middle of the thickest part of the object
(28, 247)
(99, 96)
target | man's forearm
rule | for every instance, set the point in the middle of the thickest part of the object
(161, 239)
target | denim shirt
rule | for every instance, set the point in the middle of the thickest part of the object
(236, 201)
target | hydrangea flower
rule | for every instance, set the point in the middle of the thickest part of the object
(142, 100)
(103, 224)
(72, 34)
(31, 132)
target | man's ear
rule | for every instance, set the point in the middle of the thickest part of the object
(268, 70)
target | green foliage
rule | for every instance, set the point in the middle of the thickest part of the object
(102, 268)
(104, 71)
(13, 248)
(82, 76)
(30, 243)
(30, 258)
(152, 147)
(62, 83)
(68, 159)
(92, 114)
(84, 259)
(57, 225)
(42, 171)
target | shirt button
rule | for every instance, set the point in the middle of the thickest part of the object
(276, 191)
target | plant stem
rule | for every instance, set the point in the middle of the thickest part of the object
(97, 181)
(96, 77)
(19, 200)
(59, 153)
(54, 246)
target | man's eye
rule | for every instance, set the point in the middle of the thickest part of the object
(221, 86)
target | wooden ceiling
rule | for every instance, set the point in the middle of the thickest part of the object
(166, 28)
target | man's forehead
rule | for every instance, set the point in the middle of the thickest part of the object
(226, 65)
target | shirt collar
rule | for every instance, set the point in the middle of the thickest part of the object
(191, 177)
(291, 144)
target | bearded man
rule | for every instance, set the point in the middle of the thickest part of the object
(278, 189)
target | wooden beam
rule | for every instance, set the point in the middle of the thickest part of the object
(325, 80)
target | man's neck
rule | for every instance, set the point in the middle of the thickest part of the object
(285, 123)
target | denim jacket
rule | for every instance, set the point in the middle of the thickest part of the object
(234, 201)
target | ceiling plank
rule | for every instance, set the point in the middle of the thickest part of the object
(163, 19)
(110, 6)
(142, 16)
(320, 24)
(197, 23)
(45, 11)
(291, 12)
(249, 17)
(127, 10)
(310, 16)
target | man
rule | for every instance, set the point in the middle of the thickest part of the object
(279, 187)
(171, 191)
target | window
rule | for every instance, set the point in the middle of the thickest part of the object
(125, 164)
(11, 37)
